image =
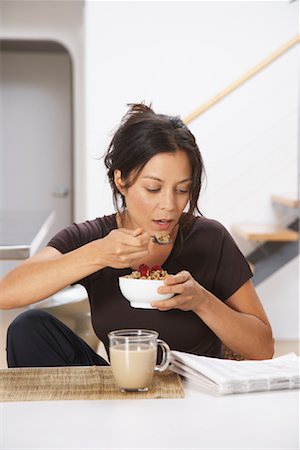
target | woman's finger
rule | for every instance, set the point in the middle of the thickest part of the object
(164, 305)
(180, 277)
(138, 232)
(136, 238)
(171, 289)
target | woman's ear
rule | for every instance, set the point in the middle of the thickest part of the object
(118, 181)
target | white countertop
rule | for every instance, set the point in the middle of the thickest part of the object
(268, 420)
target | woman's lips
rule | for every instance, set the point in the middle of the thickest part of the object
(163, 224)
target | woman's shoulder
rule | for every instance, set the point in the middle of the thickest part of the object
(205, 235)
(81, 233)
(203, 224)
(100, 225)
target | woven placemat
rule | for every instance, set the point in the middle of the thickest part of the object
(78, 383)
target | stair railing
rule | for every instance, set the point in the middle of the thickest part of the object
(237, 83)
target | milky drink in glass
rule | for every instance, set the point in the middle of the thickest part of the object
(133, 354)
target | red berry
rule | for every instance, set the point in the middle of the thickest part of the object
(156, 267)
(144, 270)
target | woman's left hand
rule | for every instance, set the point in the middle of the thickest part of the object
(188, 293)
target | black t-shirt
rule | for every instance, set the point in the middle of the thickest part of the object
(205, 249)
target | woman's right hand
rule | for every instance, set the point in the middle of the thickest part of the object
(49, 271)
(122, 248)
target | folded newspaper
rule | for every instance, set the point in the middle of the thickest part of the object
(225, 376)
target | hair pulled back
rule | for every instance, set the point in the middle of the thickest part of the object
(143, 134)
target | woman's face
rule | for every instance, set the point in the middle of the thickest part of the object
(158, 197)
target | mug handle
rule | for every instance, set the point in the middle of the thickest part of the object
(166, 355)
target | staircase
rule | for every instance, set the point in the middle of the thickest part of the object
(278, 245)
(267, 232)
(270, 232)
(288, 200)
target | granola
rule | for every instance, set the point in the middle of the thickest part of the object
(162, 238)
(148, 273)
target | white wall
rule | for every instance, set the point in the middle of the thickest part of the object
(282, 305)
(60, 21)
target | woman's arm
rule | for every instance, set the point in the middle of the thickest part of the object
(240, 322)
(49, 271)
(253, 334)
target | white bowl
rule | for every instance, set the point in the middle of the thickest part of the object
(140, 293)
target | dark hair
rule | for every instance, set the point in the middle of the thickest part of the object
(143, 134)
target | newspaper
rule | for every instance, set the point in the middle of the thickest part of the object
(225, 376)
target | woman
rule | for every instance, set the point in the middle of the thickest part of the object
(155, 170)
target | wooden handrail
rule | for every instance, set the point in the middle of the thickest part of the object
(237, 83)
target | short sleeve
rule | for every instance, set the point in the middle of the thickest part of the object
(67, 239)
(232, 270)
(75, 236)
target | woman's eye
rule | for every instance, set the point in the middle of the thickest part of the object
(183, 191)
(152, 189)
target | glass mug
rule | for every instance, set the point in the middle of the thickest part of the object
(133, 354)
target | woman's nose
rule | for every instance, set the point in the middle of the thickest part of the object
(167, 201)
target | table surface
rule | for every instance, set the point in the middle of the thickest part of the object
(261, 420)
(21, 232)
